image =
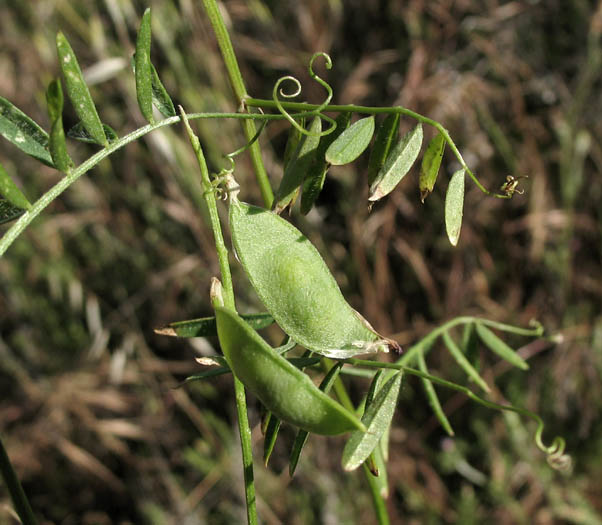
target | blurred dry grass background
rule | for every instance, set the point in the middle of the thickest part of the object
(87, 406)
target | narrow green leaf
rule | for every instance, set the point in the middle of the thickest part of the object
(500, 348)
(144, 82)
(432, 397)
(271, 434)
(78, 91)
(213, 372)
(430, 165)
(469, 344)
(350, 144)
(303, 435)
(161, 98)
(206, 326)
(374, 387)
(292, 143)
(376, 418)
(401, 158)
(457, 354)
(9, 212)
(57, 143)
(79, 132)
(314, 180)
(385, 138)
(298, 167)
(11, 192)
(454, 206)
(23, 132)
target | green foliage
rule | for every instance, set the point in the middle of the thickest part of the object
(152, 234)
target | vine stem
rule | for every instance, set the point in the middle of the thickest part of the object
(301, 106)
(228, 290)
(240, 92)
(17, 494)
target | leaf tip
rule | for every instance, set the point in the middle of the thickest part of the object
(166, 330)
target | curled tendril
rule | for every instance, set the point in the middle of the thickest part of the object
(279, 91)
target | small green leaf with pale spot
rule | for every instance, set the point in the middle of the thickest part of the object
(10, 191)
(454, 206)
(377, 418)
(351, 143)
(78, 91)
(144, 82)
(497, 346)
(430, 165)
(23, 132)
(401, 158)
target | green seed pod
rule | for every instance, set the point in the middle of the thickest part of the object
(283, 389)
(295, 285)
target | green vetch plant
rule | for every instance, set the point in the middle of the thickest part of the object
(284, 268)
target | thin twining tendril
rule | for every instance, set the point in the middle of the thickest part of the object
(279, 91)
(556, 457)
(244, 148)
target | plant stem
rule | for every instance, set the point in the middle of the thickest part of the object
(15, 489)
(240, 92)
(222, 254)
(380, 508)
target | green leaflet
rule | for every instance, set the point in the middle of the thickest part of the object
(79, 132)
(432, 397)
(398, 163)
(454, 206)
(292, 143)
(161, 98)
(144, 83)
(295, 285)
(500, 348)
(377, 418)
(57, 143)
(206, 326)
(298, 167)
(9, 212)
(23, 132)
(78, 91)
(351, 143)
(282, 388)
(385, 137)
(463, 362)
(303, 435)
(11, 192)
(314, 180)
(271, 434)
(430, 165)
